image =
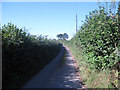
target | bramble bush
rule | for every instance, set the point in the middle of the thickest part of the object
(24, 55)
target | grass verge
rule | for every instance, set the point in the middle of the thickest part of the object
(93, 78)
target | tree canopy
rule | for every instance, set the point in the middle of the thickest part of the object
(62, 36)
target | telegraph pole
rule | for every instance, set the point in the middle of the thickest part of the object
(119, 15)
(76, 23)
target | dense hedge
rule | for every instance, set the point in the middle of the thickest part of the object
(96, 47)
(99, 36)
(23, 55)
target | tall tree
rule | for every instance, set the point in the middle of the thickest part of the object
(59, 36)
(62, 36)
(66, 36)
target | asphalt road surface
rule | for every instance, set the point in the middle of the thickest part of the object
(65, 75)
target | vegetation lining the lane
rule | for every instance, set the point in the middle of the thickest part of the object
(95, 46)
(24, 55)
(92, 78)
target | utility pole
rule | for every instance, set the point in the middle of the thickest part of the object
(119, 15)
(76, 23)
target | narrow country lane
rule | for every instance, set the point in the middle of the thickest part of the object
(65, 75)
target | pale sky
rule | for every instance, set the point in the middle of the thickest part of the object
(47, 18)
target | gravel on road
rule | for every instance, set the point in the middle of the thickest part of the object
(66, 75)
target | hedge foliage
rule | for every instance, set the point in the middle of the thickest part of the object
(23, 55)
(99, 36)
(96, 47)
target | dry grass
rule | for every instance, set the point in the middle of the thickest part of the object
(93, 78)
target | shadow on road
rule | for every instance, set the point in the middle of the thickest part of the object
(60, 73)
(65, 76)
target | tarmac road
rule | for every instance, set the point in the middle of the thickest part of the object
(64, 75)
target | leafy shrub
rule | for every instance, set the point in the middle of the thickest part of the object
(24, 55)
(99, 38)
(94, 47)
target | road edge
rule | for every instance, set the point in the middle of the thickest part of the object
(38, 80)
